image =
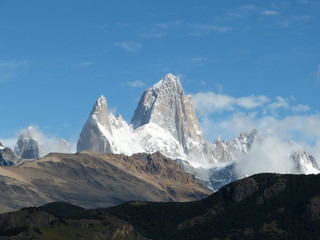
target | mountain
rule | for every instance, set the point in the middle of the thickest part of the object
(7, 156)
(263, 206)
(28, 145)
(165, 121)
(95, 180)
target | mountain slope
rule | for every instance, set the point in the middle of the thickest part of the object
(263, 206)
(7, 156)
(91, 180)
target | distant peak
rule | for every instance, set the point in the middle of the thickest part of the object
(170, 82)
(100, 111)
(101, 100)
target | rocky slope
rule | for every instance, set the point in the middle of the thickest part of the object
(7, 156)
(92, 180)
(263, 206)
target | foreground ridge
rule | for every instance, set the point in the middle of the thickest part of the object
(263, 206)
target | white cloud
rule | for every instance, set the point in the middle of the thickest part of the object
(11, 69)
(271, 155)
(279, 103)
(135, 84)
(252, 101)
(301, 108)
(270, 13)
(207, 103)
(129, 46)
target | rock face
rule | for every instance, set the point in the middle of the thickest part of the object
(7, 156)
(96, 131)
(227, 151)
(166, 105)
(28, 146)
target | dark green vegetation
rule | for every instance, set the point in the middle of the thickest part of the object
(264, 206)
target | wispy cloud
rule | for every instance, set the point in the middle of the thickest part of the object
(135, 84)
(281, 103)
(295, 19)
(167, 25)
(129, 46)
(204, 30)
(270, 13)
(86, 64)
(11, 69)
(241, 11)
(154, 34)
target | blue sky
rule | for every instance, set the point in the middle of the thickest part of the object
(247, 63)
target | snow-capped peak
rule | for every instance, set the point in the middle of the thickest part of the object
(165, 121)
(169, 83)
(100, 111)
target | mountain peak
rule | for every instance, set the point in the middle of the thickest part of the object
(166, 106)
(100, 111)
(170, 84)
(28, 145)
(96, 129)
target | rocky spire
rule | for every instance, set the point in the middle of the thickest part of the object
(166, 105)
(28, 145)
(7, 156)
(95, 132)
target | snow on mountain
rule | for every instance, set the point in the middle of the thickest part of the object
(7, 156)
(166, 106)
(303, 162)
(28, 145)
(165, 121)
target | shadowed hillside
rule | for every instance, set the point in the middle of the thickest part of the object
(264, 206)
